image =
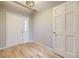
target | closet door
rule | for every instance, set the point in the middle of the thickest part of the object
(70, 29)
(2, 28)
(59, 31)
(14, 26)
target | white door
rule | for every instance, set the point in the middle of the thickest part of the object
(59, 31)
(64, 32)
(70, 29)
(26, 29)
(14, 23)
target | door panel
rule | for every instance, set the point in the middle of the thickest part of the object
(60, 43)
(69, 7)
(60, 24)
(70, 24)
(70, 44)
(60, 10)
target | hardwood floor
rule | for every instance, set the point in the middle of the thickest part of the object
(27, 50)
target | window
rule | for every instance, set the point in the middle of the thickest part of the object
(25, 25)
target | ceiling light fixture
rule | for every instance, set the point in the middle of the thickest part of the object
(30, 4)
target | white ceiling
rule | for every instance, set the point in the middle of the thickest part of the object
(42, 5)
(39, 6)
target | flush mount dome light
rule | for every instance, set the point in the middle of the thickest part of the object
(30, 4)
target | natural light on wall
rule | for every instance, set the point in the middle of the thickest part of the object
(26, 25)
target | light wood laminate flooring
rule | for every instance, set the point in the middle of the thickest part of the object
(27, 50)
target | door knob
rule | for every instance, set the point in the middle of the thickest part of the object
(54, 32)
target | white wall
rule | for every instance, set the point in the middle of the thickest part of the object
(42, 27)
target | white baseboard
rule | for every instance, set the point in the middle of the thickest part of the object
(2, 48)
(14, 45)
(51, 49)
(43, 45)
(28, 42)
